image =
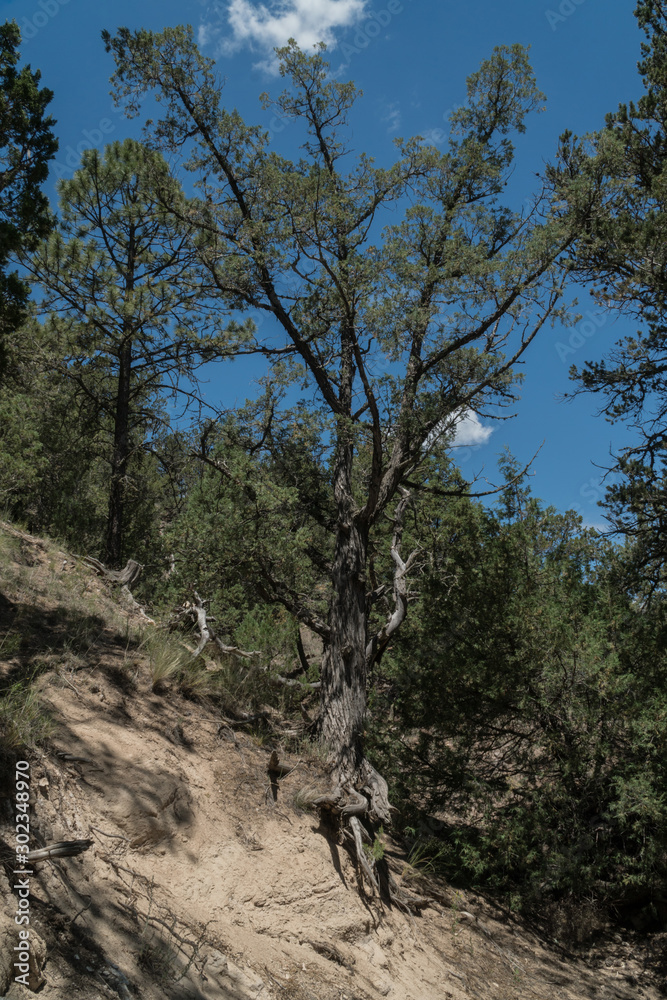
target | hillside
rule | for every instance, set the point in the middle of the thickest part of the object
(204, 878)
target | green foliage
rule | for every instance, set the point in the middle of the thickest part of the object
(53, 475)
(239, 524)
(622, 257)
(377, 848)
(527, 695)
(27, 144)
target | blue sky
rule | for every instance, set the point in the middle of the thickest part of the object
(411, 59)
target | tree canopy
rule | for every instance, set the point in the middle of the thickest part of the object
(622, 259)
(27, 143)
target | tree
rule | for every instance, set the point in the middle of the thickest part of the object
(27, 144)
(394, 332)
(51, 477)
(546, 750)
(123, 303)
(622, 257)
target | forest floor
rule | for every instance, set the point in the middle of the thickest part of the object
(204, 879)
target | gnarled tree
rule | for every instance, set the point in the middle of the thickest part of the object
(395, 332)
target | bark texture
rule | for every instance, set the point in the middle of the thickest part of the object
(343, 690)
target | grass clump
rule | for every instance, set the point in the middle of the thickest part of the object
(168, 660)
(23, 722)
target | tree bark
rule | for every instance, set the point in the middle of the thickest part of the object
(121, 451)
(343, 671)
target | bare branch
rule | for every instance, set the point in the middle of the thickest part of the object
(379, 642)
(197, 613)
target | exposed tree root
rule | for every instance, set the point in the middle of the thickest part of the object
(62, 849)
(352, 807)
(366, 864)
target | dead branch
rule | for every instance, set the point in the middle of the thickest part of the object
(62, 849)
(245, 719)
(295, 682)
(297, 604)
(379, 642)
(198, 615)
(124, 577)
(303, 661)
(277, 769)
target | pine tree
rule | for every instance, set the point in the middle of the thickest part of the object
(27, 144)
(123, 304)
(622, 258)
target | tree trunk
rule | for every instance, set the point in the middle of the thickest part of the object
(343, 689)
(121, 451)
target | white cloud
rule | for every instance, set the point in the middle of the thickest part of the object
(459, 430)
(262, 27)
(469, 430)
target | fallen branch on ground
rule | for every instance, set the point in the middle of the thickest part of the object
(124, 577)
(63, 849)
